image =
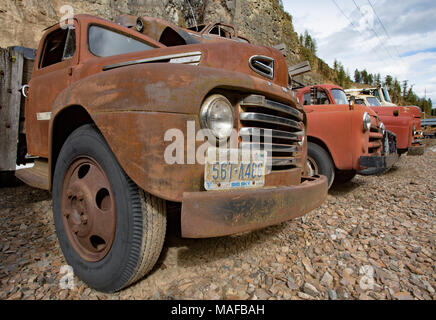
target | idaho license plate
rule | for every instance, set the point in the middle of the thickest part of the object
(234, 168)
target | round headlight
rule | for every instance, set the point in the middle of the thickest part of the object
(366, 121)
(216, 114)
(382, 128)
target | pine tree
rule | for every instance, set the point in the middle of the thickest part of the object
(357, 76)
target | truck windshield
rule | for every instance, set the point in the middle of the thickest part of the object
(373, 101)
(339, 96)
(386, 95)
(105, 43)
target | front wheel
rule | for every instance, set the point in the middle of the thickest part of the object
(110, 231)
(320, 162)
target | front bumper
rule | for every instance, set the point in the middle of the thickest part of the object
(382, 162)
(220, 213)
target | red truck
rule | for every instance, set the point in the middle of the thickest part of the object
(104, 105)
(343, 138)
(405, 122)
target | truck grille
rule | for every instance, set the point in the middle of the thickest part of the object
(375, 137)
(273, 126)
(390, 143)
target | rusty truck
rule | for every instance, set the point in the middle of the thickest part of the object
(343, 138)
(404, 121)
(103, 106)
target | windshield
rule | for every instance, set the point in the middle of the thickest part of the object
(104, 42)
(339, 96)
(373, 101)
(386, 95)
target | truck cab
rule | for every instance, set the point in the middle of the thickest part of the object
(344, 138)
(120, 124)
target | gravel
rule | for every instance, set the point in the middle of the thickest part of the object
(374, 238)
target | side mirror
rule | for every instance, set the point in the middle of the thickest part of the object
(351, 102)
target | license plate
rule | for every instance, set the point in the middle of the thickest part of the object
(234, 169)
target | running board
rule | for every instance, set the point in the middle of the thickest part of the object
(36, 176)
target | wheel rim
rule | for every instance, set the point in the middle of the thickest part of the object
(88, 209)
(313, 167)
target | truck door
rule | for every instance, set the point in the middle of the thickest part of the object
(52, 73)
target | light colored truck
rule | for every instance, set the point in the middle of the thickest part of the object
(104, 104)
(381, 93)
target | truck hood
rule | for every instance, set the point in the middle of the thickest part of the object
(244, 58)
(404, 112)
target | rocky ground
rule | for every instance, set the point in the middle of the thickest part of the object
(374, 238)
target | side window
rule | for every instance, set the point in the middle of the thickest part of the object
(322, 98)
(104, 43)
(70, 45)
(306, 99)
(60, 45)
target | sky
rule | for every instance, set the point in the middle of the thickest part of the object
(396, 37)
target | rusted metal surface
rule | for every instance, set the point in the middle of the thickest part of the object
(88, 209)
(168, 33)
(340, 128)
(401, 124)
(220, 213)
(36, 176)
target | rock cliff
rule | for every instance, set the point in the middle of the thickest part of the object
(262, 21)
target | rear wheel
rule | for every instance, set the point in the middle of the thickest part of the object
(110, 231)
(320, 162)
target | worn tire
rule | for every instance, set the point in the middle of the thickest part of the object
(140, 218)
(323, 161)
(343, 176)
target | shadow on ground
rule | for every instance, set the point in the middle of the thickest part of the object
(193, 252)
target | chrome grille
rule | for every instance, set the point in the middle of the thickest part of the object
(273, 126)
(375, 137)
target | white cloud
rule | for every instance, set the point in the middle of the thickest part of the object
(409, 24)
